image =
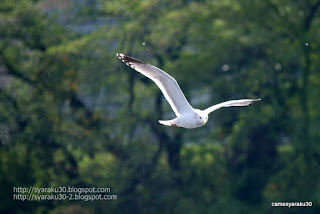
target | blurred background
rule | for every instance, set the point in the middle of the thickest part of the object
(72, 114)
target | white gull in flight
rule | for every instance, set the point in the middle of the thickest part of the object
(187, 117)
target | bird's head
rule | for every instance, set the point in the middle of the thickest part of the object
(201, 117)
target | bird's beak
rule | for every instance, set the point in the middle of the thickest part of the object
(203, 122)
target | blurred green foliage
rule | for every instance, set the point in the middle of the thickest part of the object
(71, 114)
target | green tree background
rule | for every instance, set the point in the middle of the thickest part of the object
(71, 114)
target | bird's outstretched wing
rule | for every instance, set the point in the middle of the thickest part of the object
(243, 102)
(167, 84)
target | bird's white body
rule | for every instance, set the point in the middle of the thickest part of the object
(187, 117)
(190, 120)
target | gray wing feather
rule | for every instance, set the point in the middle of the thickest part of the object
(243, 102)
(167, 84)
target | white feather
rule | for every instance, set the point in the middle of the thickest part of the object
(243, 102)
(167, 84)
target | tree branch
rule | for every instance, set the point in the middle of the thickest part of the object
(14, 72)
(310, 17)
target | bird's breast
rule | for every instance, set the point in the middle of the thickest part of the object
(188, 121)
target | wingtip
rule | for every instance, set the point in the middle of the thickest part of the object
(120, 55)
(255, 100)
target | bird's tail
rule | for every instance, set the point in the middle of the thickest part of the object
(169, 122)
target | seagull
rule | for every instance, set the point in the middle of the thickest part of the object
(187, 116)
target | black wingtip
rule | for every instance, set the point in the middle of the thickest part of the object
(130, 61)
(120, 55)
